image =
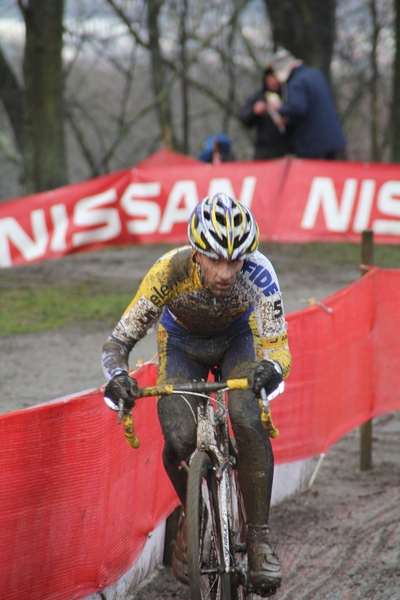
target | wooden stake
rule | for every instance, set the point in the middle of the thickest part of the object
(367, 259)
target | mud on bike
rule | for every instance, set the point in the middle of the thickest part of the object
(215, 513)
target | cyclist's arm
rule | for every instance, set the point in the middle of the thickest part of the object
(141, 315)
(273, 331)
(277, 349)
(260, 280)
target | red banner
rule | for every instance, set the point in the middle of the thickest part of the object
(293, 201)
(335, 201)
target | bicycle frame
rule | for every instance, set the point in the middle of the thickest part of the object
(213, 438)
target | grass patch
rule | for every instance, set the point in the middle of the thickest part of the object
(27, 310)
(385, 256)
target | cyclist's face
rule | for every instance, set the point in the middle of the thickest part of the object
(219, 275)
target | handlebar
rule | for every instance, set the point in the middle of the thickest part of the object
(195, 387)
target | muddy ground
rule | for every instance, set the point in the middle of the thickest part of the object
(341, 539)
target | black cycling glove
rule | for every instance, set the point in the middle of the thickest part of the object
(267, 376)
(122, 386)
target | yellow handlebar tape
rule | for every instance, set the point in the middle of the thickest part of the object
(130, 432)
(267, 423)
(155, 390)
(237, 384)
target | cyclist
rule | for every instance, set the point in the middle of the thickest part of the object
(218, 302)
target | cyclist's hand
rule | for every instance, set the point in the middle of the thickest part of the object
(122, 386)
(266, 375)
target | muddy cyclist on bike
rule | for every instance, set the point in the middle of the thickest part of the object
(217, 301)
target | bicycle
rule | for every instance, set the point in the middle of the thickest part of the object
(216, 519)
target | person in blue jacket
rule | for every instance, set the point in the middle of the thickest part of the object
(307, 102)
(217, 145)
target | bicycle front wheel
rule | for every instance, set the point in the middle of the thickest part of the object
(206, 569)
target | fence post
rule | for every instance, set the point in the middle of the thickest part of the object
(367, 259)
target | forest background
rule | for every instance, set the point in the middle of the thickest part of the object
(89, 87)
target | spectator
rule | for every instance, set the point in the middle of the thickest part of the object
(217, 148)
(273, 136)
(308, 103)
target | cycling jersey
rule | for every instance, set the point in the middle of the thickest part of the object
(174, 286)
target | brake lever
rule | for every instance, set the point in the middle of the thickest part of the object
(267, 399)
(121, 411)
(120, 408)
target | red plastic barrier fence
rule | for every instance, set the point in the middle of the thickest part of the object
(77, 503)
(346, 362)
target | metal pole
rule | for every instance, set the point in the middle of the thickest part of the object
(367, 259)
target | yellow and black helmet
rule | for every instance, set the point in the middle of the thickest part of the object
(223, 227)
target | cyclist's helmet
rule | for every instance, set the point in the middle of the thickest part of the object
(223, 227)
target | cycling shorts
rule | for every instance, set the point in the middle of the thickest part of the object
(185, 356)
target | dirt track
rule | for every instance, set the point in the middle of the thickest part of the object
(341, 540)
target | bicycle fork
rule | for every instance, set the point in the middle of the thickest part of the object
(224, 501)
(207, 439)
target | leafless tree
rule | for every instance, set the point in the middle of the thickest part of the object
(45, 158)
(306, 28)
(139, 74)
(362, 74)
(395, 107)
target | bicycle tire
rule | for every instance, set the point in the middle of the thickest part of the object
(207, 576)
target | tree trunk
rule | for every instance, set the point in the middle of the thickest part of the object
(160, 84)
(45, 142)
(375, 153)
(306, 28)
(13, 100)
(395, 115)
(185, 86)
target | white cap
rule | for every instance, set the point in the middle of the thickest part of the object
(282, 64)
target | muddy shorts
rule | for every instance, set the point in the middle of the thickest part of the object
(183, 355)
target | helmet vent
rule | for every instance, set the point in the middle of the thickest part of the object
(223, 227)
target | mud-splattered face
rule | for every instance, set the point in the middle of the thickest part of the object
(219, 275)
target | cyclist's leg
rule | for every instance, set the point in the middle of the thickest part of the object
(177, 414)
(256, 461)
(255, 456)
